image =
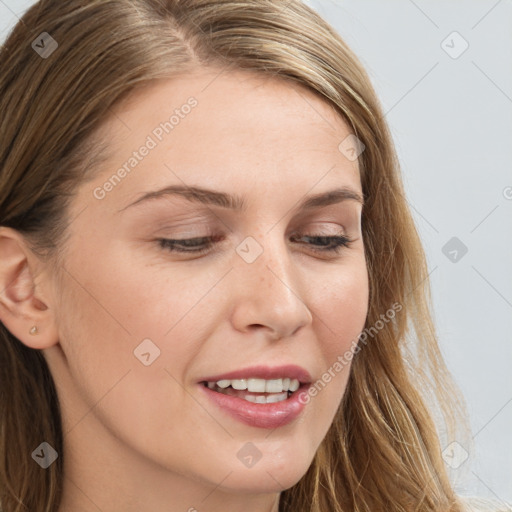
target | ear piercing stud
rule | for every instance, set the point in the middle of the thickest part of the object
(33, 330)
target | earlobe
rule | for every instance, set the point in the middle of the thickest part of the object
(23, 308)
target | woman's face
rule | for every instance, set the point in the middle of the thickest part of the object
(141, 326)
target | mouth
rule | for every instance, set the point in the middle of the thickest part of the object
(257, 391)
(258, 403)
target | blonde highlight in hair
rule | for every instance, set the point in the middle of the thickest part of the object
(382, 451)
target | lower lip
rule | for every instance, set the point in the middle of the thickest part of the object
(272, 415)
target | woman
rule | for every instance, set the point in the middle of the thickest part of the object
(209, 270)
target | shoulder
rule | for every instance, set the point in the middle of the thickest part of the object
(475, 504)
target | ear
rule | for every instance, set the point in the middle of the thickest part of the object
(23, 304)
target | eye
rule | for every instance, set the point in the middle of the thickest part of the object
(200, 245)
(190, 245)
(324, 243)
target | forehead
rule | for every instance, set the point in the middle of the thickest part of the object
(228, 103)
(222, 88)
(228, 129)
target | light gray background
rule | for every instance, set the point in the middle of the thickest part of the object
(451, 119)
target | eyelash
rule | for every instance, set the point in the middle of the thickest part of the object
(340, 242)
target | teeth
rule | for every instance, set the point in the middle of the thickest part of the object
(258, 385)
(262, 399)
(294, 385)
(239, 384)
(274, 386)
(277, 397)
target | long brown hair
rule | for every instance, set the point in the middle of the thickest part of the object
(383, 450)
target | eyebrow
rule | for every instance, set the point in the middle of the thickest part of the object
(237, 203)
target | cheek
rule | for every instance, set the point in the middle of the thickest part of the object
(106, 310)
(108, 323)
(341, 305)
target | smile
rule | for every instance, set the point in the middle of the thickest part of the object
(258, 391)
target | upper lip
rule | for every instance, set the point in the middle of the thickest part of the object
(291, 371)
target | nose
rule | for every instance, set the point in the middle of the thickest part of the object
(268, 294)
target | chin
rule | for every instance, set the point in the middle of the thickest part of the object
(259, 481)
(272, 473)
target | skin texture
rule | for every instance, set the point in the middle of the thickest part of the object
(145, 438)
